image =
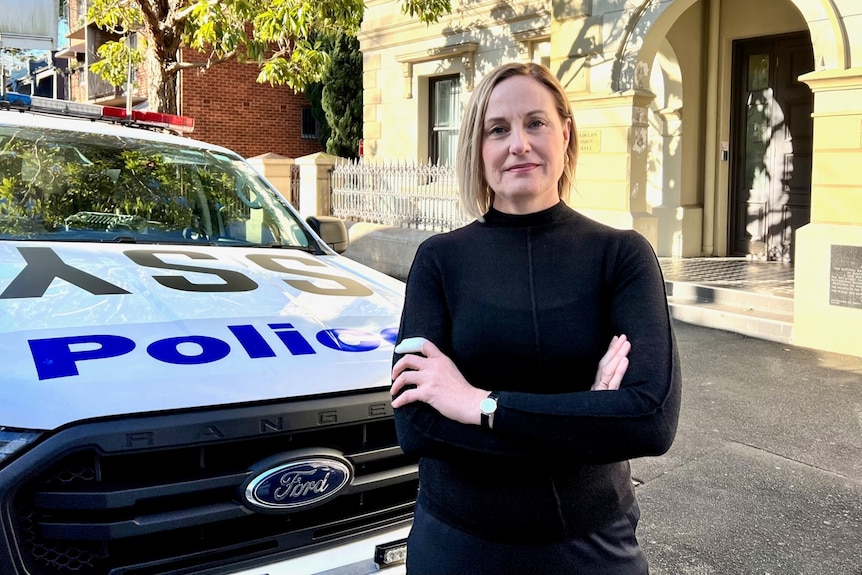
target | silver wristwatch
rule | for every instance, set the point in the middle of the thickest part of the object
(488, 406)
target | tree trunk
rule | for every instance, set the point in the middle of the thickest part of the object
(162, 83)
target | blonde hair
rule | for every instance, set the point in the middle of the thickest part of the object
(476, 196)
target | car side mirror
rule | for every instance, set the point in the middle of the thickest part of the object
(331, 230)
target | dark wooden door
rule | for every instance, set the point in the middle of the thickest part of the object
(770, 195)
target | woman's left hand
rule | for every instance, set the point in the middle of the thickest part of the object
(434, 379)
(613, 365)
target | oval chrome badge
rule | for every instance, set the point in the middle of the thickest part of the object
(297, 484)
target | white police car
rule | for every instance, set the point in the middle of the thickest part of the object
(191, 380)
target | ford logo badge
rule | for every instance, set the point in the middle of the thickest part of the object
(302, 482)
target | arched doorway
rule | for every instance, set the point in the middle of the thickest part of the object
(753, 193)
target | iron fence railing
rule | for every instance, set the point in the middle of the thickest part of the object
(404, 194)
(294, 186)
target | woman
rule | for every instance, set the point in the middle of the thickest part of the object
(523, 416)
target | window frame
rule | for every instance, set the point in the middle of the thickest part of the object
(436, 125)
(307, 115)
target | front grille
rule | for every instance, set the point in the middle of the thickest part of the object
(158, 495)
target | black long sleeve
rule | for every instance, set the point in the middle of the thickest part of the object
(526, 306)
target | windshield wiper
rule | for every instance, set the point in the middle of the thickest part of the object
(279, 245)
(120, 240)
(165, 242)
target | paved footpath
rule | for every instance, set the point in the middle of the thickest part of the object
(765, 476)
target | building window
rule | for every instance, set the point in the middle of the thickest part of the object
(310, 128)
(534, 46)
(541, 52)
(445, 112)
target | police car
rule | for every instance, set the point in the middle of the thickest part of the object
(193, 380)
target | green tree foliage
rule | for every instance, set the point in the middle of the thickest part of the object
(277, 35)
(314, 94)
(116, 59)
(342, 96)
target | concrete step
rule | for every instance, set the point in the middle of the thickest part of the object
(756, 314)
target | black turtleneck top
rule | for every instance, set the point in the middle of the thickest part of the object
(526, 306)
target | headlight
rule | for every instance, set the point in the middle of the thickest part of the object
(11, 440)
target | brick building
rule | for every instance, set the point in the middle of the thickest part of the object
(232, 109)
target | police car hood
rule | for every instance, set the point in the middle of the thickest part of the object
(92, 331)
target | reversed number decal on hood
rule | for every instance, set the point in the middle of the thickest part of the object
(44, 266)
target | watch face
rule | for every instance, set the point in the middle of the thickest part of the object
(488, 405)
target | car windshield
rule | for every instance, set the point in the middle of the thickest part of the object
(74, 186)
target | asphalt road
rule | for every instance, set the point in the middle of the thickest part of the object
(765, 475)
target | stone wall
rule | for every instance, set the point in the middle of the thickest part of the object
(386, 249)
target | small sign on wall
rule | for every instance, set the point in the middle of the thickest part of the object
(590, 141)
(845, 276)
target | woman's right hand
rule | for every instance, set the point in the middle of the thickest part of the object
(429, 376)
(613, 365)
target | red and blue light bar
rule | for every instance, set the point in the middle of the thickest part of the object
(24, 102)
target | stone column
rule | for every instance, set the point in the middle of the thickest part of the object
(612, 162)
(276, 169)
(314, 184)
(828, 259)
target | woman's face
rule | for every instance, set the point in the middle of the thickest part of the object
(523, 146)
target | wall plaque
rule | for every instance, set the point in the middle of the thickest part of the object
(590, 141)
(845, 276)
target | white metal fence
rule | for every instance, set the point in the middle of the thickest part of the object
(404, 194)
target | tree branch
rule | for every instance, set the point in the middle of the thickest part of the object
(206, 65)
